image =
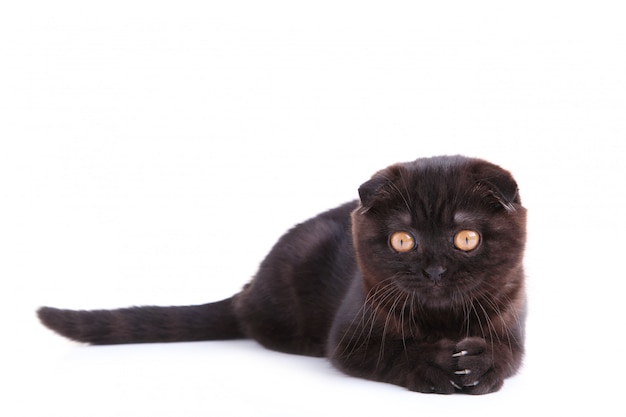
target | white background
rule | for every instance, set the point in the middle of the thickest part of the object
(152, 153)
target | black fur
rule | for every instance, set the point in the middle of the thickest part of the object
(333, 286)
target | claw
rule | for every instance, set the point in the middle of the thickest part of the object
(473, 384)
(461, 353)
(455, 385)
(463, 372)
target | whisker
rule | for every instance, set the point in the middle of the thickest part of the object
(489, 324)
(402, 326)
(355, 335)
(495, 303)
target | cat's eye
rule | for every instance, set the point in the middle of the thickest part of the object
(402, 241)
(466, 240)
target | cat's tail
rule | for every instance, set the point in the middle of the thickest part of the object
(213, 321)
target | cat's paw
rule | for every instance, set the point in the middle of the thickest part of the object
(474, 371)
(433, 375)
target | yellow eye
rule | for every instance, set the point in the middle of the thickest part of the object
(402, 241)
(466, 240)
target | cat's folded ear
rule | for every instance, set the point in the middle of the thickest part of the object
(377, 188)
(369, 191)
(497, 185)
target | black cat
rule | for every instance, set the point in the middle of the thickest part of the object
(419, 284)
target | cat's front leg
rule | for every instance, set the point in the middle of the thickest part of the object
(430, 368)
(471, 366)
(447, 366)
(418, 366)
(480, 365)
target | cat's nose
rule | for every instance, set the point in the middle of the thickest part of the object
(435, 273)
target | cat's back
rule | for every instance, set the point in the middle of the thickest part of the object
(316, 246)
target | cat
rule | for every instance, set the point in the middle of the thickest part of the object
(418, 283)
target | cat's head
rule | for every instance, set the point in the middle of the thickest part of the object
(442, 229)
